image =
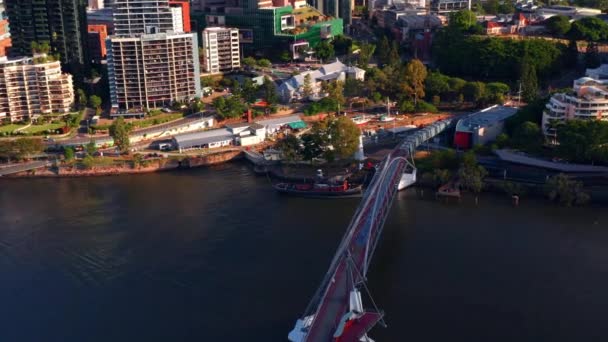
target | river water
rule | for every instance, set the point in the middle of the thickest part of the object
(214, 254)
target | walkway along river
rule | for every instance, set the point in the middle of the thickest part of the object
(214, 254)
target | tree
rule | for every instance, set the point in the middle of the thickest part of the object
(592, 56)
(332, 137)
(81, 98)
(558, 25)
(269, 89)
(95, 102)
(230, 107)
(527, 136)
(42, 47)
(324, 50)
(313, 146)
(335, 90)
(529, 81)
(366, 51)
(383, 50)
(474, 91)
(343, 137)
(393, 55)
(571, 54)
(91, 148)
(496, 92)
(68, 153)
(249, 91)
(589, 28)
(290, 147)
(471, 174)
(462, 20)
(119, 131)
(88, 162)
(249, 61)
(353, 87)
(583, 141)
(413, 79)
(562, 189)
(436, 84)
(264, 63)
(285, 56)
(307, 86)
(342, 44)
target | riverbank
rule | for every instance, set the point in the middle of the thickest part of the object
(125, 167)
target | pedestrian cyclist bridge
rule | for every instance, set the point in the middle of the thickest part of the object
(336, 311)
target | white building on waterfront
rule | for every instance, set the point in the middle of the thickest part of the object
(337, 71)
(587, 100)
(221, 49)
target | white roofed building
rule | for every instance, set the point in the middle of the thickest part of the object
(337, 71)
(587, 100)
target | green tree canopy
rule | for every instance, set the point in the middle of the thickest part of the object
(333, 137)
(229, 107)
(462, 20)
(383, 50)
(474, 91)
(95, 102)
(81, 97)
(527, 136)
(19, 149)
(119, 131)
(496, 92)
(307, 86)
(290, 147)
(413, 79)
(558, 25)
(529, 81)
(269, 88)
(589, 28)
(249, 61)
(366, 51)
(583, 141)
(436, 84)
(324, 50)
(566, 191)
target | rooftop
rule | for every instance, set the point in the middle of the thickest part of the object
(280, 121)
(201, 138)
(486, 117)
(520, 158)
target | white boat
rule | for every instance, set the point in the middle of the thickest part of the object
(361, 120)
(386, 118)
(408, 178)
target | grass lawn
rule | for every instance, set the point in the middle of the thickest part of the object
(156, 120)
(37, 129)
(9, 128)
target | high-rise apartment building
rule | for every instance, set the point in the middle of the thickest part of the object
(96, 4)
(221, 49)
(31, 87)
(5, 36)
(62, 23)
(97, 42)
(152, 71)
(132, 17)
(180, 11)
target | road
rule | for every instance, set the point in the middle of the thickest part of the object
(22, 167)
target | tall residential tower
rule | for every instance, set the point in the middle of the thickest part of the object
(62, 23)
(152, 62)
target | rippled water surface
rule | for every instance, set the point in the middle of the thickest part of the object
(215, 255)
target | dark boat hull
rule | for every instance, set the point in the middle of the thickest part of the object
(353, 192)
